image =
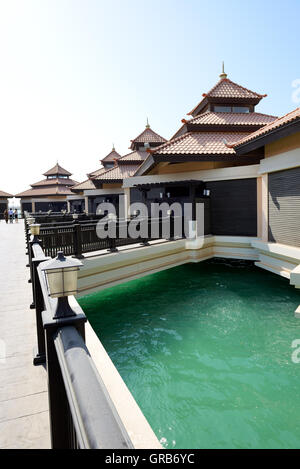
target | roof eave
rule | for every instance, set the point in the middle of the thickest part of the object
(269, 137)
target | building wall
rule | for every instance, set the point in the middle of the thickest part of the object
(166, 168)
(284, 207)
(283, 145)
(26, 207)
(233, 207)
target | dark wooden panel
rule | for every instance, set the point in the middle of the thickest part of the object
(233, 207)
(284, 207)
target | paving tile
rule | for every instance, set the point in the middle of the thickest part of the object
(24, 417)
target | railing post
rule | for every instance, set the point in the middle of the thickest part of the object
(112, 241)
(77, 241)
(58, 402)
(172, 226)
(40, 355)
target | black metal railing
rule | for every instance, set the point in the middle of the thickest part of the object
(77, 238)
(82, 414)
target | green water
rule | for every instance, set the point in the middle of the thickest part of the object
(206, 351)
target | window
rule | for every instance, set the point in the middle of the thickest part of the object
(240, 109)
(222, 109)
(243, 109)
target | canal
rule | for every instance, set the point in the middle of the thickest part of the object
(206, 351)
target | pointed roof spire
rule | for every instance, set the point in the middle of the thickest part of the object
(223, 74)
(147, 124)
(113, 147)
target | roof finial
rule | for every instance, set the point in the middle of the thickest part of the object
(113, 147)
(223, 74)
(147, 125)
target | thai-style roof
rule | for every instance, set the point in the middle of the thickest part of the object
(227, 91)
(54, 182)
(200, 143)
(57, 169)
(289, 118)
(209, 120)
(117, 174)
(51, 186)
(112, 156)
(134, 156)
(147, 136)
(5, 195)
(46, 191)
(85, 185)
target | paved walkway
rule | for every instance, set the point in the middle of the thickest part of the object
(24, 419)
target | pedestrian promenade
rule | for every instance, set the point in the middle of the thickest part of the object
(24, 418)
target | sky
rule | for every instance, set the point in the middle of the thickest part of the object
(77, 76)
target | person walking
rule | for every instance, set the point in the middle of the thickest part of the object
(16, 215)
(11, 215)
(5, 214)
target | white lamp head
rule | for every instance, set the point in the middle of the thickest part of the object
(61, 275)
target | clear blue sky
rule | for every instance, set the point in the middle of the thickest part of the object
(77, 75)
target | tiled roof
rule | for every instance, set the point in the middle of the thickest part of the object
(112, 156)
(148, 136)
(118, 173)
(232, 118)
(57, 169)
(137, 156)
(85, 185)
(58, 190)
(226, 119)
(194, 143)
(97, 172)
(5, 194)
(286, 119)
(226, 88)
(54, 182)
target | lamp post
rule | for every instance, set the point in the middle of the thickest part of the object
(35, 231)
(61, 274)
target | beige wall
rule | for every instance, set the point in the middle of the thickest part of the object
(111, 186)
(166, 168)
(283, 145)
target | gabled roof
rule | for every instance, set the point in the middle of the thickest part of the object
(226, 90)
(5, 195)
(147, 136)
(57, 169)
(289, 118)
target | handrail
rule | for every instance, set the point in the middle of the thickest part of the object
(97, 425)
(82, 414)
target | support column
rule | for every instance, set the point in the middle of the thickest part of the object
(127, 202)
(86, 204)
(264, 208)
(259, 207)
(33, 206)
(68, 206)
